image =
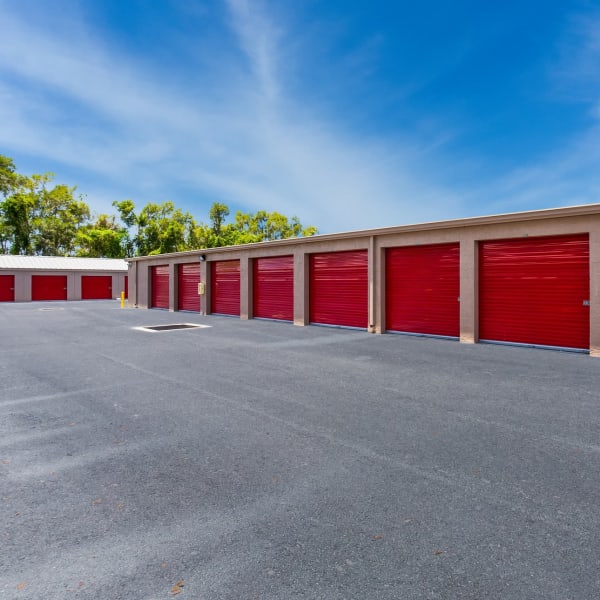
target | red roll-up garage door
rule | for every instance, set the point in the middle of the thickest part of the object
(7, 288)
(422, 286)
(274, 288)
(339, 289)
(188, 278)
(535, 291)
(96, 287)
(48, 287)
(225, 287)
(160, 286)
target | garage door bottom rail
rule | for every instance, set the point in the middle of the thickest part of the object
(540, 346)
(272, 319)
(435, 336)
(332, 326)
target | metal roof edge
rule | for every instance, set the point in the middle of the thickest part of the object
(17, 262)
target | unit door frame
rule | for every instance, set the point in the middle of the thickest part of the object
(159, 287)
(535, 291)
(49, 287)
(422, 289)
(225, 287)
(339, 288)
(188, 278)
(7, 288)
(92, 290)
(273, 288)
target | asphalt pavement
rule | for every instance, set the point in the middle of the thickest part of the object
(258, 460)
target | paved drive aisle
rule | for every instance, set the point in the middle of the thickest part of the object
(257, 460)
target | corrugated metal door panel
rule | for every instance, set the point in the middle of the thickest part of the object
(422, 287)
(274, 288)
(188, 277)
(339, 288)
(225, 287)
(96, 287)
(160, 286)
(7, 288)
(48, 287)
(535, 291)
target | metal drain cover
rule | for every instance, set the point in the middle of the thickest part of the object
(172, 327)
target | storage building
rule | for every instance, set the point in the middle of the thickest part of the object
(523, 278)
(30, 278)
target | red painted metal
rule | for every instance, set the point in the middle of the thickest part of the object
(160, 286)
(188, 277)
(126, 286)
(48, 287)
(535, 291)
(96, 287)
(422, 287)
(339, 288)
(225, 287)
(7, 288)
(274, 288)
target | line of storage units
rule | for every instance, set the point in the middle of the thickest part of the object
(38, 278)
(524, 278)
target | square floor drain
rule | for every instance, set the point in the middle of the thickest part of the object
(172, 327)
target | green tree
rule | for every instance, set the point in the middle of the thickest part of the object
(157, 228)
(10, 180)
(265, 226)
(37, 217)
(217, 214)
(17, 211)
(248, 228)
(58, 216)
(104, 238)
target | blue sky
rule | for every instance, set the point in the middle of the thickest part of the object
(349, 114)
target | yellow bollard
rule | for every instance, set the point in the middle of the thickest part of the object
(122, 299)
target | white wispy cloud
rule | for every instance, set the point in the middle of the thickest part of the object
(259, 39)
(252, 146)
(235, 132)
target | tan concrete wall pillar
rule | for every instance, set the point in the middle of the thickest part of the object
(245, 288)
(143, 285)
(595, 291)
(301, 285)
(469, 314)
(374, 275)
(172, 287)
(205, 278)
(380, 324)
(22, 287)
(73, 286)
(132, 287)
(118, 285)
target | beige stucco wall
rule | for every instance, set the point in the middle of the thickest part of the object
(467, 232)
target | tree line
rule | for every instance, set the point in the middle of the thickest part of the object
(39, 217)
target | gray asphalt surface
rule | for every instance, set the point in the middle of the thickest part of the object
(261, 460)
